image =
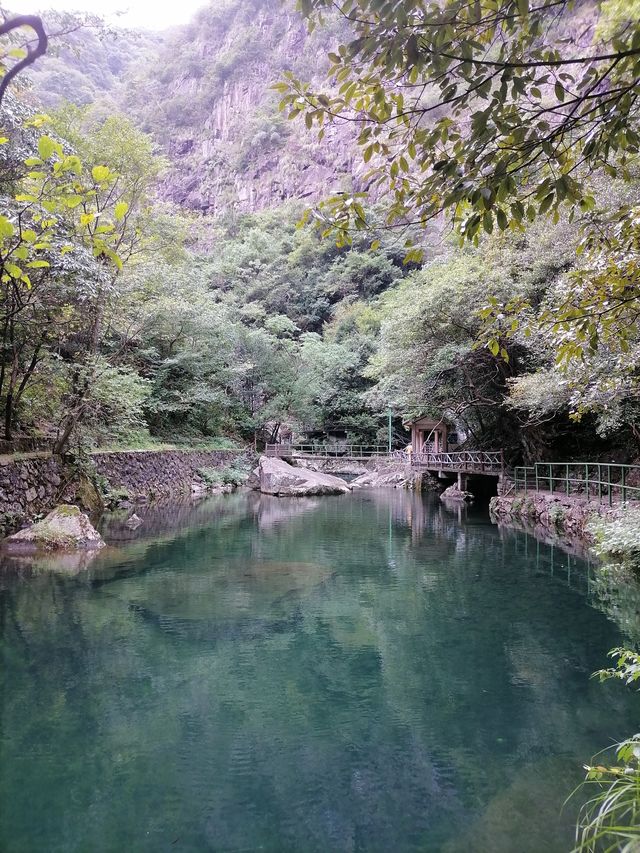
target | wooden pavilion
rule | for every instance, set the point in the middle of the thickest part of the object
(431, 435)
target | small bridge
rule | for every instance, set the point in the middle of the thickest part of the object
(348, 452)
(461, 462)
(489, 463)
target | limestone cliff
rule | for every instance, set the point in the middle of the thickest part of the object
(204, 93)
(207, 100)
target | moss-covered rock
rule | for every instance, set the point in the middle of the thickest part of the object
(64, 528)
(88, 495)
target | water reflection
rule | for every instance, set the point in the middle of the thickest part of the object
(369, 672)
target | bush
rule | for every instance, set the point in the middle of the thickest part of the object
(226, 476)
(556, 516)
(610, 820)
(618, 539)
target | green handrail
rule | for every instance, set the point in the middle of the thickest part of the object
(610, 479)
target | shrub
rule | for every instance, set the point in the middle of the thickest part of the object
(226, 476)
(556, 516)
(610, 820)
(618, 538)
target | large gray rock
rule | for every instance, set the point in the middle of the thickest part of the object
(394, 475)
(279, 478)
(65, 528)
(453, 493)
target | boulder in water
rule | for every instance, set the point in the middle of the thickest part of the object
(133, 522)
(279, 478)
(65, 528)
(453, 493)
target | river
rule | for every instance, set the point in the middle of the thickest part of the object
(372, 672)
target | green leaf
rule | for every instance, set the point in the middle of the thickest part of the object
(546, 203)
(121, 210)
(100, 174)
(6, 228)
(73, 164)
(47, 147)
(13, 270)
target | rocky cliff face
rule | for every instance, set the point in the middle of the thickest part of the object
(204, 93)
(208, 101)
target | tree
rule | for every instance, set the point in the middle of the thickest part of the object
(77, 212)
(492, 112)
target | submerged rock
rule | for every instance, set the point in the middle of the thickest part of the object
(277, 477)
(49, 562)
(453, 493)
(64, 528)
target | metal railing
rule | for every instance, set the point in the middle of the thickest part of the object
(602, 480)
(473, 461)
(357, 451)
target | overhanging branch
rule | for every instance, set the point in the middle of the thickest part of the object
(33, 53)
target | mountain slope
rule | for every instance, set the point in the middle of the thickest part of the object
(86, 64)
(208, 102)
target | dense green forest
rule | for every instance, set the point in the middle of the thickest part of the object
(159, 286)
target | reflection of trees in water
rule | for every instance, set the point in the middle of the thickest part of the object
(614, 589)
(371, 673)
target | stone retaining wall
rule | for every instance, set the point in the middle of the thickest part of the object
(566, 517)
(32, 485)
(28, 486)
(160, 472)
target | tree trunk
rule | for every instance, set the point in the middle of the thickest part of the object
(8, 416)
(96, 331)
(75, 414)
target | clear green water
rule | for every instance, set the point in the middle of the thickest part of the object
(362, 673)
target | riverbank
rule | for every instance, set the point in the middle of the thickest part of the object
(563, 518)
(32, 484)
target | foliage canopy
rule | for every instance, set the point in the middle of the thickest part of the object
(491, 112)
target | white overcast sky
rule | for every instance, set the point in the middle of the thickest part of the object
(151, 14)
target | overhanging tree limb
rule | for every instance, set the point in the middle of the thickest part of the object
(33, 53)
